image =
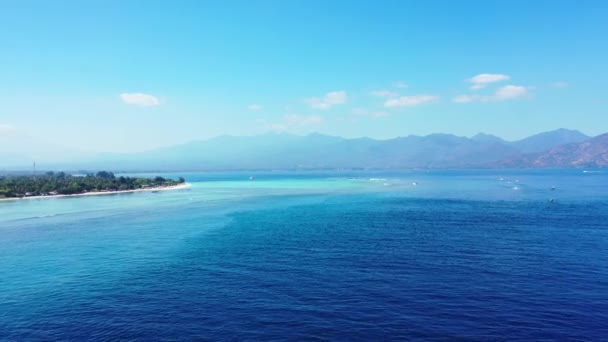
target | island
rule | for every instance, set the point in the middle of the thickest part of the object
(62, 184)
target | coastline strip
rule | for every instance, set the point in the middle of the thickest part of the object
(99, 193)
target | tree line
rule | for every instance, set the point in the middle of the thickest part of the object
(60, 183)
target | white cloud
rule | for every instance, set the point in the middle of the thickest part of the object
(410, 101)
(465, 98)
(400, 84)
(255, 107)
(378, 114)
(384, 93)
(371, 114)
(278, 127)
(293, 121)
(328, 100)
(509, 92)
(7, 128)
(482, 80)
(140, 99)
(560, 84)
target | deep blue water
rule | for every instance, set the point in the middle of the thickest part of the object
(443, 255)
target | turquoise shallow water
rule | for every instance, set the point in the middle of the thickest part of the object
(332, 255)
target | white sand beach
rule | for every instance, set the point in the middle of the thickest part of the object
(99, 193)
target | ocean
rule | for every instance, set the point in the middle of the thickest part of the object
(480, 255)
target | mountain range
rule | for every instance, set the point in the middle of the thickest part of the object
(557, 149)
(589, 153)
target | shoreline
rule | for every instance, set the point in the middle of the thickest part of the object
(99, 193)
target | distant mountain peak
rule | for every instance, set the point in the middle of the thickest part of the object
(586, 153)
(547, 140)
(563, 131)
(566, 130)
(321, 135)
(484, 137)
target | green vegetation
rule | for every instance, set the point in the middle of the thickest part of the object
(63, 184)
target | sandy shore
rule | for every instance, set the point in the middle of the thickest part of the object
(99, 193)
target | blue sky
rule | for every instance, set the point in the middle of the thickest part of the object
(135, 75)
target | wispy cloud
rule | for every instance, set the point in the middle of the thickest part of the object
(140, 99)
(292, 121)
(255, 107)
(482, 80)
(560, 84)
(368, 113)
(509, 92)
(384, 93)
(465, 98)
(7, 128)
(328, 100)
(410, 101)
(400, 84)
